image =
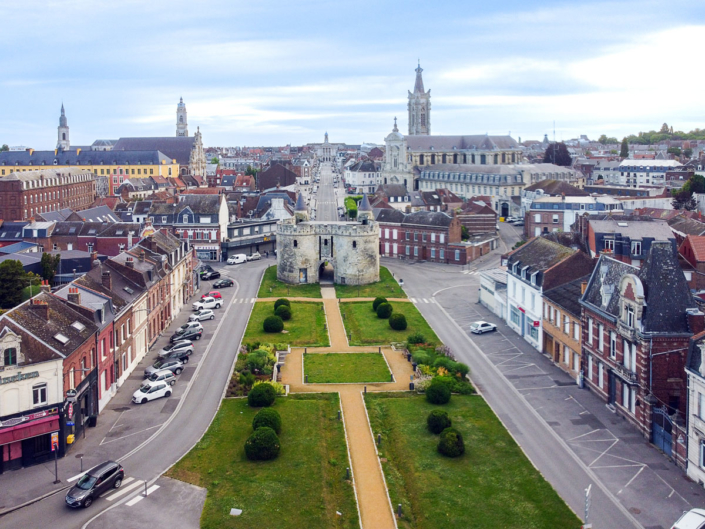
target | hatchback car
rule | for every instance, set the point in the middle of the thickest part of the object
(210, 275)
(163, 375)
(94, 483)
(222, 283)
(254, 257)
(190, 334)
(693, 519)
(172, 364)
(150, 391)
(480, 327)
(203, 314)
(213, 294)
(176, 347)
(236, 259)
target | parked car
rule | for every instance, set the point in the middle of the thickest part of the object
(213, 294)
(94, 483)
(176, 347)
(181, 356)
(208, 303)
(254, 257)
(172, 364)
(189, 334)
(203, 314)
(693, 519)
(204, 269)
(150, 391)
(236, 259)
(480, 327)
(210, 275)
(163, 375)
(190, 325)
(510, 219)
(222, 283)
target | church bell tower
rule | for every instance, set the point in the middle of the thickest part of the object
(419, 108)
(63, 142)
(181, 120)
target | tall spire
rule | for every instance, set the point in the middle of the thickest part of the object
(418, 87)
(395, 129)
(63, 141)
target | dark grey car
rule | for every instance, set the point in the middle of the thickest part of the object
(174, 365)
(94, 483)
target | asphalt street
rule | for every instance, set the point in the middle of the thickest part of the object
(326, 200)
(169, 427)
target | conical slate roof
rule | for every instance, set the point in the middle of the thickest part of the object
(300, 204)
(364, 204)
(418, 86)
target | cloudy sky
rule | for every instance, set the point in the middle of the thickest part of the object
(275, 72)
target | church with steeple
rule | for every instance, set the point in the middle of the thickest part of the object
(63, 143)
(419, 107)
(181, 119)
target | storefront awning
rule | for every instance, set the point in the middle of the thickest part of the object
(30, 429)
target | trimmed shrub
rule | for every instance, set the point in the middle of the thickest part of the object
(262, 445)
(437, 421)
(416, 339)
(269, 417)
(384, 310)
(451, 443)
(281, 301)
(283, 312)
(261, 395)
(442, 361)
(421, 357)
(397, 322)
(438, 392)
(377, 302)
(273, 324)
(461, 368)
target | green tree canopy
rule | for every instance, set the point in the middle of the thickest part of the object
(557, 153)
(605, 140)
(214, 160)
(50, 265)
(624, 153)
(674, 150)
(4, 147)
(13, 279)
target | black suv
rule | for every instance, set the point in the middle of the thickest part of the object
(214, 274)
(221, 283)
(94, 483)
(189, 334)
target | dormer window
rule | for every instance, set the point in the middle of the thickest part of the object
(523, 272)
(533, 278)
(9, 357)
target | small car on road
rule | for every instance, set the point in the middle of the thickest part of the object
(222, 283)
(188, 334)
(150, 391)
(163, 375)
(176, 347)
(174, 365)
(236, 259)
(94, 483)
(213, 294)
(480, 327)
(208, 303)
(203, 314)
(210, 275)
(254, 257)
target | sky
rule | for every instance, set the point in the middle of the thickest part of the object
(276, 73)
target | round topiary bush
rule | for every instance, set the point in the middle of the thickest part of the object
(416, 339)
(261, 395)
(451, 443)
(397, 322)
(262, 445)
(437, 421)
(281, 301)
(437, 392)
(384, 310)
(377, 302)
(283, 312)
(270, 418)
(420, 357)
(273, 324)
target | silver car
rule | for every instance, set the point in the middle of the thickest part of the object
(182, 346)
(174, 365)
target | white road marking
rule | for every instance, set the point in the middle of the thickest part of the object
(253, 300)
(140, 497)
(104, 442)
(412, 300)
(125, 489)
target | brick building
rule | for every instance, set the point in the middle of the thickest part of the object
(637, 324)
(26, 194)
(478, 217)
(692, 249)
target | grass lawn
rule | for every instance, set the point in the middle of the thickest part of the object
(492, 485)
(30, 291)
(331, 368)
(367, 329)
(303, 487)
(306, 326)
(282, 290)
(386, 287)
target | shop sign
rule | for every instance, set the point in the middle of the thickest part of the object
(537, 323)
(31, 417)
(18, 377)
(54, 441)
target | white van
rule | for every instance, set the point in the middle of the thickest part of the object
(237, 259)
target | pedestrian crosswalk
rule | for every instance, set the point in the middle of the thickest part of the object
(244, 300)
(471, 272)
(422, 300)
(128, 485)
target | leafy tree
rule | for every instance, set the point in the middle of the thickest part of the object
(624, 153)
(214, 160)
(13, 279)
(50, 265)
(614, 151)
(557, 153)
(464, 234)
(664, 129)
(605, 140)
(688, 153)
(684, 199)
(674, 150)
(251, 171)
(4, 147)
(696, 184)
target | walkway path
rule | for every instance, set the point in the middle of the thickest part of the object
(373, 500)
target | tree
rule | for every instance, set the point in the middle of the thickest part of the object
(665, 129)
(696, 184)
(557, 153)
(688, 153)
(214, 160)
(605, 140)
(4, 147)
(674, 150)
(464, 234)
(50, 265)
(624, 153)
(684, 199)
(251, 171)
(13, 279)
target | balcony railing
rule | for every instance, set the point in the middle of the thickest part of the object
(625, 373)
(628, 332)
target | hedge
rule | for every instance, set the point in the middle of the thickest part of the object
(451, 443)
(262, 445)
(261, 395)
(437, 392)
(283, 312)
(281, 301)
(437, 421)
(377, 302)
(273, 324)
(397, 322)
(269, 417)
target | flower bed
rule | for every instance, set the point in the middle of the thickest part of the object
(255, 364)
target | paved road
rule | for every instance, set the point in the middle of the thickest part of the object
(326, 201)
(196, 399)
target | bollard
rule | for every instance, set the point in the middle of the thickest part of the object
(379, 439)
(391, 377)
(305, 350)
(347, 473)
(338, 414)
(411, 386)
(81, 463)
(399, 510)
(306, 379)
(379, 349)
(145, 488)
(408, 357)
(365, 390)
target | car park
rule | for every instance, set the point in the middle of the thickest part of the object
(172, 364)
(236, 259)
(222, 283)
(254, 257)
(203, 314)
(693, 519)
(210, 275)
(176, 347)
(94, 483)
(212, 294)
(189, 334)
(480, 327)
(208, 303)
(150, 391)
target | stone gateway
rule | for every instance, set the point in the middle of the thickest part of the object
(305, 246)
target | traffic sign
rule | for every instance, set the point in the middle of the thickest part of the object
(70, 414)
(54, 441)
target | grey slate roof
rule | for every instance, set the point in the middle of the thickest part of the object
(556, 188)
(52, 216)
(634, 229)
(364, 204)
(175, 147)
(99, 214)
(419, 218)
(393, 190)
(479, 142)
(12, 230)
(300, 204)
(389, 215)
(567, 296)
(539, 254)
(85, 157)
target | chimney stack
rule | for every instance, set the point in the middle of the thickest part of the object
(94, 256)
(45, 287)
(129, 263)
(141, 254)
(74, 296)
(106, 279)
(40, 308)
(696, 321)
